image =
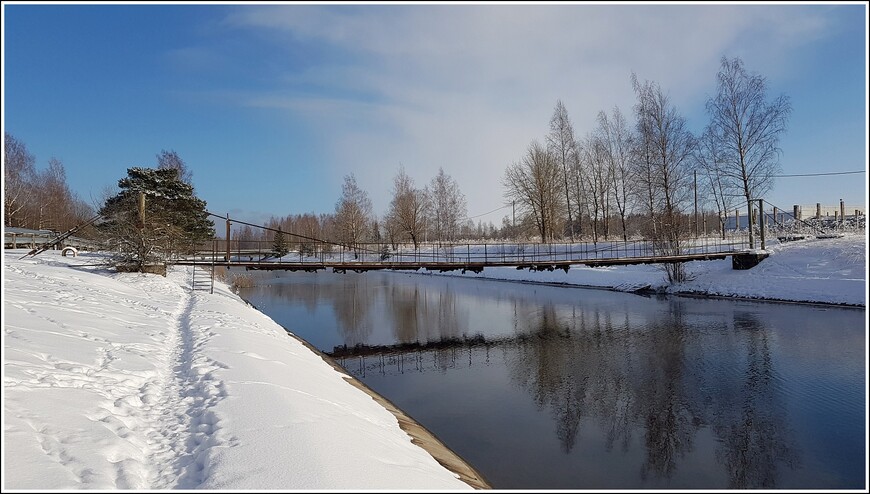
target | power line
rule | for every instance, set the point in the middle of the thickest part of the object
(486, 213)
(820, 174)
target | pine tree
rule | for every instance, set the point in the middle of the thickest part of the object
(175, 219)
(279, 245)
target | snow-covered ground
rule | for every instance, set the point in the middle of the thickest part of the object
(114, 381)
(813, 270)
(130, 381)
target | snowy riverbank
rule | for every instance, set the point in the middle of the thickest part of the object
(115, 381)
(830, 271)
(129, 381)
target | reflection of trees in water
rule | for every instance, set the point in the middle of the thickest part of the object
(349, 296)
(663, 396)
(309, 294)
(351, 300)
(755, 438)
(662, 376)
(421, 315)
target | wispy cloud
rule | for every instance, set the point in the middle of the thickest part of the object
(467, 87)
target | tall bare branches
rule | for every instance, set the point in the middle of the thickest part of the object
(408, 208)
(747, 128)
(448, 206)
(617, 138)
(353, 213)
(535, 184)
(561, 144)
(666, 147)
(19, 173)
(171, 160)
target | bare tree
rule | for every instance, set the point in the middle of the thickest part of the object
(53, 199)
(561, 143)
(18, 176)
(617, 139)
(596, 175)
(748, 128)
(535, 184)
(710, 161)
(669, 146)
(448, 206)
(353, 213)
(578, 189)
(408, 208)
(171, 160)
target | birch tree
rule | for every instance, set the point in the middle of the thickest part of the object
(617, 139)
(408, 208)
(169, 160)
(353, 213)
(448, 206)
(748, 128)
(535, 184)
(563, 147)
(669, 146)
(18, 175)
(709, 158)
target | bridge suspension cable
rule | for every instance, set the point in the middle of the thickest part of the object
(313, 239)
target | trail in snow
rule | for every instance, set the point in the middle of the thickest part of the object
(152, 393)
(128, 381)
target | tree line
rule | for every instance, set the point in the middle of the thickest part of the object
(623, 178)
(38, 199)
(641, 175)
(642, 178)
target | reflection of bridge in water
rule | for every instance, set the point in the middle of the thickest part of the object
(440, 355)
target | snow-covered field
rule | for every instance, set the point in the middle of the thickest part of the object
(115, 381)
(814, 270)
(129, 381)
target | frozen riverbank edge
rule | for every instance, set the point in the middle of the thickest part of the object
(420, 435)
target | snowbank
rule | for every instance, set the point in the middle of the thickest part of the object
(129, 381)
(832, 271)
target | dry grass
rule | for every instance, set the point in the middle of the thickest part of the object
(241, 280)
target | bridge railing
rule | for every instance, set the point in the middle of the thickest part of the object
(490, 253)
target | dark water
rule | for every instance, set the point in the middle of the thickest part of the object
(564, 388)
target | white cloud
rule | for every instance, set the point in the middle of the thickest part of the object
(468, 87)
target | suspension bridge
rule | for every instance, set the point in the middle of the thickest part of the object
(313, 254)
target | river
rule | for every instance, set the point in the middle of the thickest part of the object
(542, 387)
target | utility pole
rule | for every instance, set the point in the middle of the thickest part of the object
(141, 210)
(228, 238)
(695, 173)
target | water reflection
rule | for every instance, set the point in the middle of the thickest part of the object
(668, 381)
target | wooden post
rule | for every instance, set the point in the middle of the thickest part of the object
(797, 212)
(736, 219)
(695, 174)
(761, 220)
(228, 238)
(774, 216)
(818, 211)
(842, 212)
(141, 210)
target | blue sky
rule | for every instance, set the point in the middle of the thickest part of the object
(271, 105)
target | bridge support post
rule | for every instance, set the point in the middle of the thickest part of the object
(761, 221)
(227, 258)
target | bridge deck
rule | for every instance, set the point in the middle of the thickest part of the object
(361, 266)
